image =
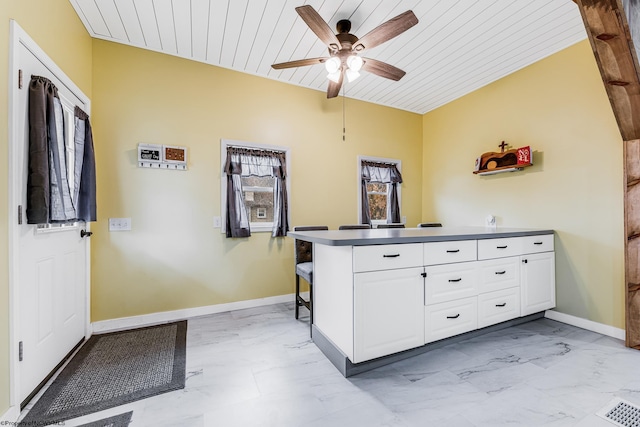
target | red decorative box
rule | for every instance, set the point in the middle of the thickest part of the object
(524, 155)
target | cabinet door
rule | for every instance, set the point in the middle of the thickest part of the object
(538, 282)
(388, 312)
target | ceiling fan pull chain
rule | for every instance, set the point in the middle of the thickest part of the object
(344, 126)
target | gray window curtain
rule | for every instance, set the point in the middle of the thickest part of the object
(385, 173)
(48, 192)
(252, 162)
(49, 197)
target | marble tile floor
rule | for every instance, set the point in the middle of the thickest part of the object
(258, 367)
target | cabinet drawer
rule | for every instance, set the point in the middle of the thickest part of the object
(498, 306)
(499, 248)
(496, 274)
(386, 257)
(450, 282)
(536, 244)
(450, 318)
(448, 252)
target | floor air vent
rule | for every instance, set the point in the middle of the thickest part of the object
(621, 413)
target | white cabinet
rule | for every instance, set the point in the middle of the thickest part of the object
(375, 300)
(388, 312)
(537, 282)
(509, 277)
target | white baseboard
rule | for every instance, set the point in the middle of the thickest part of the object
(589, 325)
(172, 316)
(11, 416)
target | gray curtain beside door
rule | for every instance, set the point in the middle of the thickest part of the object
(49, 198)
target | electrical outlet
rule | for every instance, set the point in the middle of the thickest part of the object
(217, 222)
(119, 224)
(490, 221)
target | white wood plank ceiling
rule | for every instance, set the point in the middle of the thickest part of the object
(457, 47)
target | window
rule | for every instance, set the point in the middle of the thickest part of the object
(255, 185)
(379, 200)
(378, 195)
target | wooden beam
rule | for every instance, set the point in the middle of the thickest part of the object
(632, 241)
(612, 46)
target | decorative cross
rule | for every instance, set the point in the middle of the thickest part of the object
(503, 146)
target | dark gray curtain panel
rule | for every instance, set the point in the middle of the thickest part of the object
(85, 170)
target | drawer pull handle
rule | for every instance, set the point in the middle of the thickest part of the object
(455, 280)
(501, 247)
(501, 272)
(501, 305)
(391, 256)
(454, 251)
(537, 243)
(454, 317)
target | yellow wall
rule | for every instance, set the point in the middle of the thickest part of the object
(559, 107)
(59, 32)
(173, 258)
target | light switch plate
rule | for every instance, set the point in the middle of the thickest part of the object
(217, 222)
(119, 224)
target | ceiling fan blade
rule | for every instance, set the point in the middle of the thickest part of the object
(318, 26)
(382, 69)
(387, 31)
(334, 88)
(298, 63)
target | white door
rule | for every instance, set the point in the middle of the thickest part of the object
(538, 282)
(388, 312)
(50, 279)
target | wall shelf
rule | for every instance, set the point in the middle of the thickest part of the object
(501, 169)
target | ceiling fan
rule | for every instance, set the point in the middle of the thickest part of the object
(344, 48)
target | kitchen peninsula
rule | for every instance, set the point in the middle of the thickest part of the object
(384, 294)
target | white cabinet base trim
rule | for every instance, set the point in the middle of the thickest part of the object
(589, 325)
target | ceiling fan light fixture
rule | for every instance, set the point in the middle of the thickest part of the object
(335, 76)
(355, 63)
(351, 75)
(332, 65)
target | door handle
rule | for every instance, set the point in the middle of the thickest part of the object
(85, 233)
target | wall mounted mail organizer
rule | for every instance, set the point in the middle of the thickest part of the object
(162, 157)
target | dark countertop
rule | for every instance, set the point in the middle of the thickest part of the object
(386, 236)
